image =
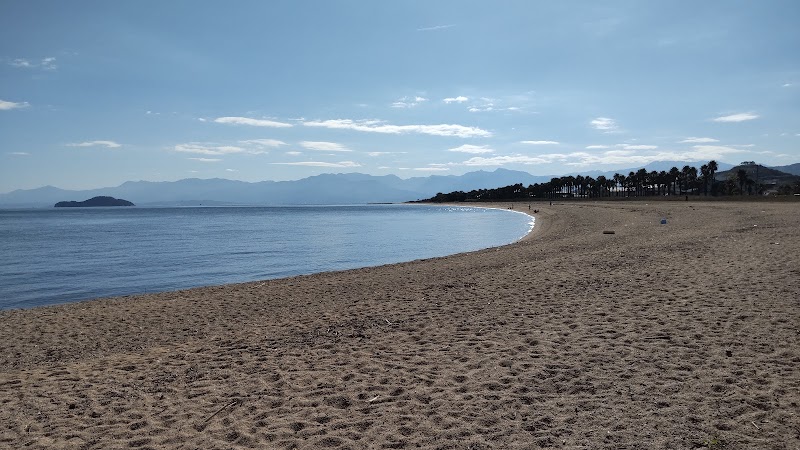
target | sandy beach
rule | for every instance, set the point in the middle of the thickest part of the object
(677, 336)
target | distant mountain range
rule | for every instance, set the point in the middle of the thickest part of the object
(793, 169)
(350, 188)
(326, 189)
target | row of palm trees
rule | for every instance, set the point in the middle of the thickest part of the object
(635, 184)
(687, 180)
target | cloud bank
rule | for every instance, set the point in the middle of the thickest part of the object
(5, 105)
(376, 126)
(252, 122)
(740, 117)
(324, 146)
(474, 149)
(341, 164)
(604, 124)
(107, 144)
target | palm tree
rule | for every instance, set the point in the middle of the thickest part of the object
(589, 184)
(704, 173)
(675, 176)
(712, 170)
(580, 183)
(685, 175)
(610, 184)
(641, 181)
(652, 182)
(569, 182)
(742, 178)
(555, 186)
(601, 185)
(693, 179)
(619, 180)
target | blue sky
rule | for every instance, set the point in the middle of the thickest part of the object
(93, 94)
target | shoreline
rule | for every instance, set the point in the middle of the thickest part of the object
(669, 335)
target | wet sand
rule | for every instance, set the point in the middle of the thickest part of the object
(682, 335)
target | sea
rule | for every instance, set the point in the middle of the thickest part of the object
(62, 255)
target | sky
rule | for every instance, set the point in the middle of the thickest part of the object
(96, 93)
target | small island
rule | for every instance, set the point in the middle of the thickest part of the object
(96, 201)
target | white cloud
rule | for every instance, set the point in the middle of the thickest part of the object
(384, 153)
(5, 106)
(474, 149)
(740, 117)
(597, 147)
(604, 124)
(436, 28)
(409, 102)
(324, 146)
(517, 103)
(459, 99)
(249, 147)
(629, 157)
(613, 153)
(231, 170)
(212, 149)
(273, 143)
(107, 144)
(637, 147)
(486, 107)
(715, 151)
(252, 122)
(539, 142)
(19, 153)
(320, 164)
(787, 85)
(206, 160)
(509, 159)
(294, 153)
(431, 169)
(698, 140)
(48, 63)
(375, 126)
(620, 156)
(21, 62)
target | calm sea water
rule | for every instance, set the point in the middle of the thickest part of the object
(50, 256)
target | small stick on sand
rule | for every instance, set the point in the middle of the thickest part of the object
(754, 424)
(373, 398)
(220, 410)
(651, 338)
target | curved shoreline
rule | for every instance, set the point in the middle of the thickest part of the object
(661, 334)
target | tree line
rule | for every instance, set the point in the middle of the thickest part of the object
(679, 182)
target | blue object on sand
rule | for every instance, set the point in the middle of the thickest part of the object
(663, 221)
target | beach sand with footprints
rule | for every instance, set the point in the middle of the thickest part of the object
(679, 335)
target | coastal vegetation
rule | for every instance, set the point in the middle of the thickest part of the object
(748, 178)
